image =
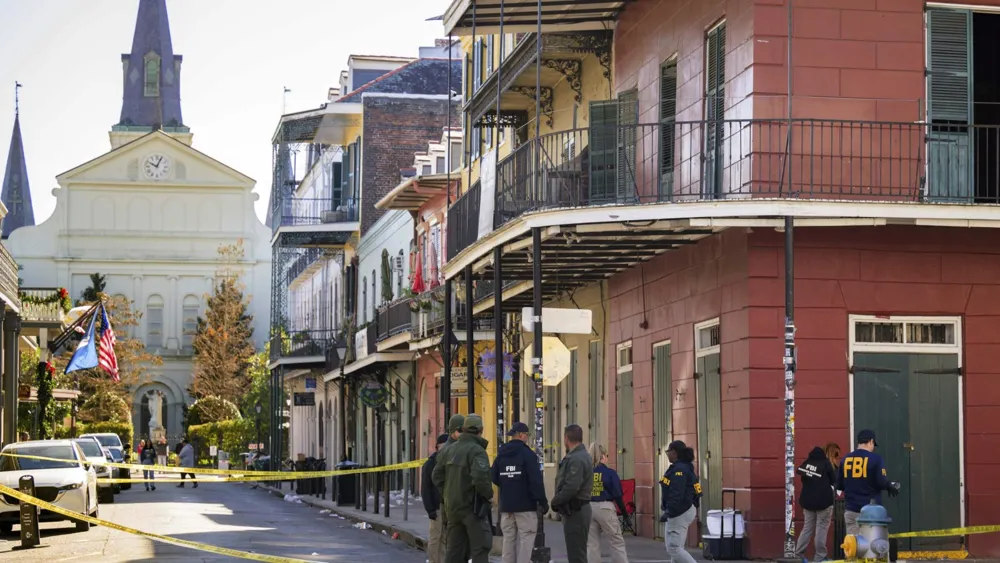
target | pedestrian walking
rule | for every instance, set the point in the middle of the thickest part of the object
(186, 459)
(605, 496)
(161, 451)
(680, 492)
(819, 481)
(147, 456)
(462, 474)
(432, 504)
(518, 477)
(862, 478)
(574, 486)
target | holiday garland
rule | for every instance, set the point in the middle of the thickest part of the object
(61, 296)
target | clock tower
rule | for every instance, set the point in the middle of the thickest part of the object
(151, 80)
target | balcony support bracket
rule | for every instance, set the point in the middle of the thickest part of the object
(544, 94)
(572, 70)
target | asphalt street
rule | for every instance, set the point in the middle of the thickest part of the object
(225, 514)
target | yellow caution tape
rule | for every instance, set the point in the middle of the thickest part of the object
(948, 532)
(280, 475)
(165, 539)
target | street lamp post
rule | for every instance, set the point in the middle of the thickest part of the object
(257, 408)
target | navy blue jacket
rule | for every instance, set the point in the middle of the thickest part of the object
(429, 493)
(517, 473)
(607, 485)
(679, 489)
(862, 478)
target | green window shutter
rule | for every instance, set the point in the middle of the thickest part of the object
(628, 117)
(603, 150)
(949, 66)
(668, 118)
(715, 109)
(571, 411)
(595, 389)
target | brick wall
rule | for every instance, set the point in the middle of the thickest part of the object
(395, 129)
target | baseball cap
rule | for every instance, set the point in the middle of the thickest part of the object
(442, 439)
(518, 428)
(866, 436)
(473, 422)
(455, 423)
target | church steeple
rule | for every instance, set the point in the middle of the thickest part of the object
(16, 194)
(152, 74)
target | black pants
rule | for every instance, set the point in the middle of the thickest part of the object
(189, 474)
(469, 538)
(576, 529)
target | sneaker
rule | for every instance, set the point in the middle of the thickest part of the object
(195, 486)
(181, 486)
(153, 488)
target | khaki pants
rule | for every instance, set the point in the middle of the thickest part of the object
(519, 531)
(851, 522)
(604, 522)
(437, 539)
(675, 536)
(816, 522)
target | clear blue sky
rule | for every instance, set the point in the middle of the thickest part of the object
(238, 56)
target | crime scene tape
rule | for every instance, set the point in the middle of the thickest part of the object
(948, 532)
(161, 538)
(273, 475)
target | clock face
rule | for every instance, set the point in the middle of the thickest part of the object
(156, 166)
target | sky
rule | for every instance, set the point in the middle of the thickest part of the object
(239, 55)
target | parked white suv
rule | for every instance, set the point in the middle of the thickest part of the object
(69, 484)
(97, 457)
(119, 452)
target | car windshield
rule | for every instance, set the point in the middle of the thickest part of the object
(90, 448)
(64, 451)
(109, 441)
(116, 454)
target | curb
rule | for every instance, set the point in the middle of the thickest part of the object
(405, 536)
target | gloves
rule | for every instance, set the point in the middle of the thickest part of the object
(664, 517)
(433, 515)
(893, 489)
(543, 508)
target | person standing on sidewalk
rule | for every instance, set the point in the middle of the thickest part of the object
(161, 451)
(681, 494)
(186, 459)
(862, 477)
(819, 481)
(518, 477)
(432, 504)
(147, 456)
(455, 424)
(462, 474)
(574, 485)
(605, 496)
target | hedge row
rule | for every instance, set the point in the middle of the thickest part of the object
(232, 436)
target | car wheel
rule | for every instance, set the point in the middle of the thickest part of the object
(83, 525)
(106, 496)
(6, 529)
(96, 513)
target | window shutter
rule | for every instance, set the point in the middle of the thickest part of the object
(603, 149)
(949, 34)
(715, 109)
(628, 117)
(668, 117)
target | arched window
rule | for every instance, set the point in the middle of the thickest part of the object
(151, 81)
(192, 306)
(364, 300)
(154, 322)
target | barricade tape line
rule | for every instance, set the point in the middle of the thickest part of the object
(218, 479)
(161, 538)
(948, 532)
(238, 472)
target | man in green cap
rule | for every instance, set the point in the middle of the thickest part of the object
(454, 431)
(462, 473)
(574, 487)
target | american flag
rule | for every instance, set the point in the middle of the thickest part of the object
(106, 354)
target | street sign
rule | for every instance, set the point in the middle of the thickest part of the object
(213, 450)
(459, 382)
(304, 399)
(559, 321)
(253, 447)
(555, 360)
(29, 514)
(310, 383)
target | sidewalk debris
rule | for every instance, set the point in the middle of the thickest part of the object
(293, 498)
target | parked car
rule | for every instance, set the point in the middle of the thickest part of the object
(118, 453)
(69, 484)
(97, 456)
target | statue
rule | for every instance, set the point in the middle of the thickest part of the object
(155, 410)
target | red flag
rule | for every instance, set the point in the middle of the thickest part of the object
(106, 353)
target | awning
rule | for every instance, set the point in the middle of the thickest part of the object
(414, 192)
(377, 358)
(521, 16)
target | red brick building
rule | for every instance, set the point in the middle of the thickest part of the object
(887, 162)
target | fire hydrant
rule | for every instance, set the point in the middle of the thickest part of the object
(872, 540)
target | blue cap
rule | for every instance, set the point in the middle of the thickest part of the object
(519, 428)
(866, 436)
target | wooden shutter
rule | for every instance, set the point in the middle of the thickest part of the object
(572, 387)
(603, 150)
(668, 117)
(595, 389)
(628, 117)
(626, 422)
(715, 108)
(663, 401)
(949, 105)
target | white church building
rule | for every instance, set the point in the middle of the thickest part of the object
(150, 215)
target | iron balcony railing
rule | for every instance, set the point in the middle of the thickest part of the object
(301, 343)
(394, 319)
(306, 258)
(8, 277)
(428, 315)
(42, 304)
(688, 161)
(297, 212)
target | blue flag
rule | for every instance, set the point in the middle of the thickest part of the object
(85, 356)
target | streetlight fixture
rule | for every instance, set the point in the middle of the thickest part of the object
(257, 408)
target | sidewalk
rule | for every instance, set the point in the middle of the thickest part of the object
(413, 530)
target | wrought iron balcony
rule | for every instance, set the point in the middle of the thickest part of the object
(8, 278)
(428, 315)
(305, 212)
(697, 161)
(306, 259)
(394, 319)
(302, 344)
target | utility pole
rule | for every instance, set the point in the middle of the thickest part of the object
(789, 357)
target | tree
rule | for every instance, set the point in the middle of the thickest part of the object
(223, 343)
(44, 372)
(258, 390)
(92, 293)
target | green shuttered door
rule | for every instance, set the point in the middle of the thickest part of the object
(949, 76)
(626, 421)
(662, 419)
(710, 431)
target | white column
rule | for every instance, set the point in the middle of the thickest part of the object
(172, 304)
(139, 302)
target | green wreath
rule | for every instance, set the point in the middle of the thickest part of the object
(374, 397)
(61, 296)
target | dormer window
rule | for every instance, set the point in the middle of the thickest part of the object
(151, 81)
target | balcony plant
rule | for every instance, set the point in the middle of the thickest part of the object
(60, 296)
